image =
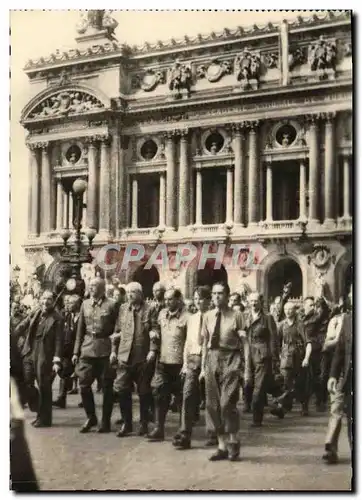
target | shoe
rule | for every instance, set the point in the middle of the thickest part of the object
(34, 421)
(38, 423)
(219, 455)
(176, 439)
(278, 411)
(73, 391)
(104, 429)
(183, 444)
(59, 403)
(143, 429)
(233, 451)
(89, 423)
(80, 405)
(304, 412)
(202, 405)
(212, 441)
(156, 435)
(124, 431)
(330, 457)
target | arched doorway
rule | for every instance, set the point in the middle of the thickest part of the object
(208, 276)
(280, 273)
(147, 278)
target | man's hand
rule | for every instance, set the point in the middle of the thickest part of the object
(202, 375)
(242, 334)
(183, 370)
(112, 358)
(332, 385)
(74, 359)
(151, 356)
(305, 363)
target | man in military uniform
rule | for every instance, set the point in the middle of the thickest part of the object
(171, 330)
(192, 368)
(223, 330)
(290, 332)
(73, 304)
(42, 354)
(135, 355)
(92, 348)
(262, 355)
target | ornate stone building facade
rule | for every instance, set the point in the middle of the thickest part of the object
(241, 136)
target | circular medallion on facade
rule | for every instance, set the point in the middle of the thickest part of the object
(214, 72)
(149, 149)
(149, 82)
(73, 154)
(214, 143)
(286, 135)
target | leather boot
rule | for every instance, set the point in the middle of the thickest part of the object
(125, 403)
(89, 407)
(145, 402)
(161, 408)
(61, 401)
(107, 408)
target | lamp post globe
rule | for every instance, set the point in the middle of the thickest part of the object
(79, 187)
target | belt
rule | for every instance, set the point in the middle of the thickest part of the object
(223, 349)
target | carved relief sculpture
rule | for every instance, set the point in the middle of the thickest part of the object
(97, 20)
(151, 79)
(296, 58)
(65, 103)
(214, 71)
(247, 70)
(180, 79)
(323, 57)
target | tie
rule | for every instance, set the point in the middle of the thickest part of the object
(200, 330)
(215, 338)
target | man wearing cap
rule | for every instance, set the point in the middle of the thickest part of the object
(42, 354)
(135, 354)
(92, 349)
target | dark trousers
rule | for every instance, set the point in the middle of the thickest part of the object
(89, 369)
(39, 400)
(341, 404)
(326, 362)
(313, 383)
(261, 378)
(166, 382)
(222, 383)
(128, 375)
(66, 380)
(190, 395)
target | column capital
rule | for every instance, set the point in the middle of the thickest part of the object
(314, 118)
(37, 145)
(238, 128)
(170, 134)
(32, 146)
(105, 140)
(253, 125)
(184, 134)
(329, 117)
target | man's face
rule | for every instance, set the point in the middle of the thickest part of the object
(66, 302)
(289, 310)
(96, 289)
(219, 296)
(46, 302)
(233, 300)
(15, 309)
(255, 302)
(308, 306)
(133, 296)
(201, 304)
(74, 304)
(158, 294)
(171, 301)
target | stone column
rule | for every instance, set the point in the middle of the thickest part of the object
(104, 186)
(329, 170)
(66, 222)
(171, 181)
(184, 182)
(162, 200)
(229, 195)
(239, 175)
(302, 191)
(198, 219)
(46, 188)
(70, 209)
(253, 201)
(34, 192)
(313, 169)
(92, 216)
(53, 220)
(269, 191)
(121, 198)
(346, 188)
(134, 203)
(60, 207)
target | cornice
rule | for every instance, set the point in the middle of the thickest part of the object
(114, 49)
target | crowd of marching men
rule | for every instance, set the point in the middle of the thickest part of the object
(185, 356)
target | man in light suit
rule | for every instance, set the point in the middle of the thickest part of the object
(42, 354)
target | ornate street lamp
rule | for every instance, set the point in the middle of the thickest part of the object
(77, 253)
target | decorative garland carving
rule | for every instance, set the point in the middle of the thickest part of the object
(66, 103)
(215, 70)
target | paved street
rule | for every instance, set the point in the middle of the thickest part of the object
(284, 455)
